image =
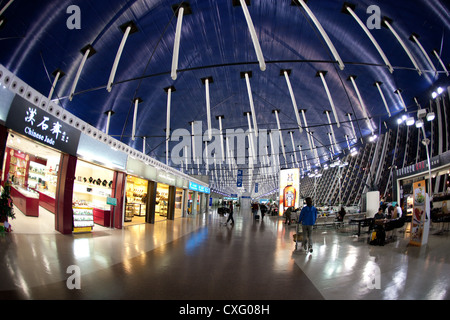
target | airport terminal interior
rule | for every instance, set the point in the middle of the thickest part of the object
(169, 151)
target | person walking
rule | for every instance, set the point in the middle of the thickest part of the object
(307, 218)
(230, 215)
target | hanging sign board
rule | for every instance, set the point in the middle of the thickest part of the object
(27, 119)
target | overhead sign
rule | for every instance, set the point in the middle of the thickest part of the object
(198, 187)
(239, 178)
(27, 119)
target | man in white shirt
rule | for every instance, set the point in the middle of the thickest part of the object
(398, 211)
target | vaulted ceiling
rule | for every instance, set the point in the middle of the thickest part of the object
(40, 37)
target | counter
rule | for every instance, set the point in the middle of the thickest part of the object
(26, 201)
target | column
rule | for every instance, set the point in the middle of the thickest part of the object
(64, 194)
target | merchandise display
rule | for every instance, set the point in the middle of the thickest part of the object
(91, 193)
(136, 198)
(83, 219)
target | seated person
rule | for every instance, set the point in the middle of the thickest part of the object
(380, 214)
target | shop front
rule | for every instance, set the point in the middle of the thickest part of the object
(35, 159)
(198, 198)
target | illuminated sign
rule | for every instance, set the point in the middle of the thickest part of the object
(27, 119)
(197, 187)
(289, 193)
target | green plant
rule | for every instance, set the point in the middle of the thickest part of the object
(6, 204)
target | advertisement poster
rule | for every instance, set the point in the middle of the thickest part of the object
(289, 193)
(419, 213)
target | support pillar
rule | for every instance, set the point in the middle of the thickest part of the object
(64, 194)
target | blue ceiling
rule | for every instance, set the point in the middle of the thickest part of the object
(215, 42)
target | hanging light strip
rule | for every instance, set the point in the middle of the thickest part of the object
(176, 45)
(247, 75)
(399, 93)
(351, 123)
(133, 130)
(331, 126)
(415, 38)
(294, 102)
(388, 25)
(127, 28)
(331, 143)
(88, 52)
(279, 132)
(293, 145)
(378, 85)
(251, 29)
(366, 30)
(169, 98)
(301, 157)
(6, 6)
(193, 143)
(57, 74)
(441, 62)
(206, 82)
(323, 33)
(109, 113)
(250, 140)
(221, 137)
(143, 145)
(307, 129)
(363, 106)
(322, 75)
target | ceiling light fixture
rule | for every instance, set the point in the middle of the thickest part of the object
(322, 75)
(410, 121)
(441, 62)
(133, 130)
(399, 93)
(221, 135)
(58, 74)
(431, 116)
(169, 91)
(88, 51)
(387, 22)
(294, 102)
(127, 29)
(349, 115)
(415, 38)
(251, 29)
(279, 132)
(363, 106)
(323, 33)
(176, 44)
(247, 75)
(293, 145)
(206, 82)
(349, 8)
(378, 85)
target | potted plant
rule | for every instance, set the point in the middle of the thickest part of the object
(6, 204)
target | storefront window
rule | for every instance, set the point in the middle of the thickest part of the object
(136, 200)
(179, 203)
(162, 202)
(91, 188)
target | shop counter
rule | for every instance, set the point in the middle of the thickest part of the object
(46, 201)
(26, 201)
(102, 217)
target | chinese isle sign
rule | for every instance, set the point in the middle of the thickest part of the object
(27, 119)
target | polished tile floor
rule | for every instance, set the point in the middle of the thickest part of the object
(198, 258)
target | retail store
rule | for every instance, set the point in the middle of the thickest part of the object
(83, 179)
